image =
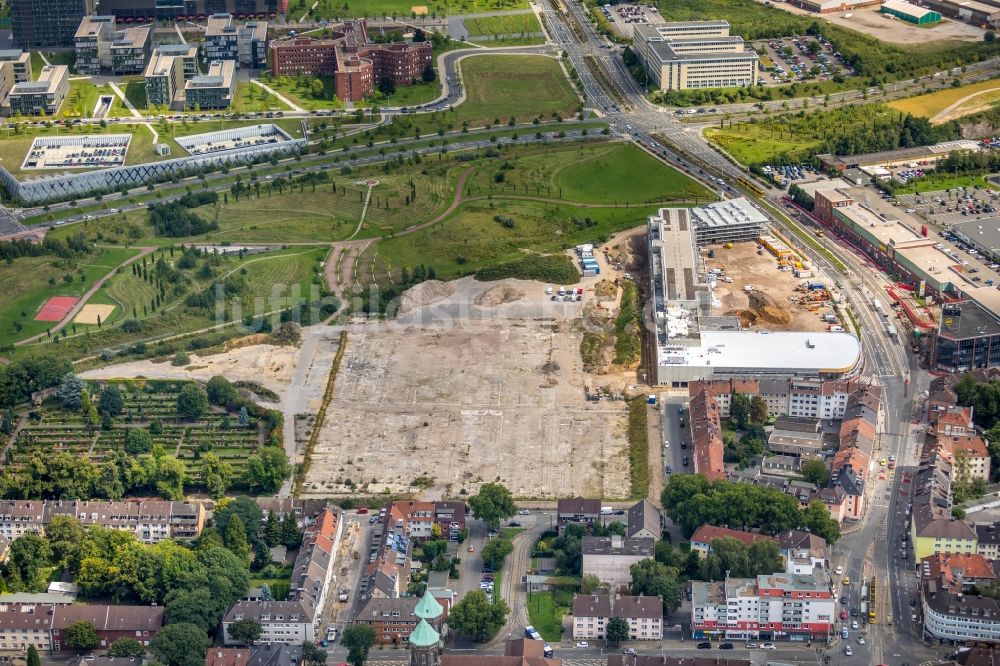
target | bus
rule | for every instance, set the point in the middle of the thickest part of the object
(751, 187)
(871, 601)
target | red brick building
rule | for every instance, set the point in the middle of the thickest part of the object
(111, 622)
(356, 64)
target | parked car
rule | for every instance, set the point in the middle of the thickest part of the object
(629, 651)
(704, 646)
(583, 644)
(767, 646)
(726, 646)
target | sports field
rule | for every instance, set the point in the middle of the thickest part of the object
(29, 282)
(950, 103)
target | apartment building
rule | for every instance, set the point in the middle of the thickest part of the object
(150, 520)
(803, 552)
(818, 400)
(46, 23)
(951, 615)
(592, 613)
(611, 558)
(988, 540)
(213, 90)
(952, 421)
(694, 55)
(961, 571)
(706, 435)
(644, 520)
(45, 95)
(701, 540)
(577, 511)
(769, 607)
(280, 621)
(932, 527)
(112, 622)
(395, 619)
(168, 69)
(25, 624)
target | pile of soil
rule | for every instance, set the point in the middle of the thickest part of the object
(425, 293)
(606, 290)
(498, 295)
(763, 310)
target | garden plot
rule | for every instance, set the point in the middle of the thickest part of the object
(449, 407)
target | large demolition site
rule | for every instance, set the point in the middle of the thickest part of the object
(471, 383)
(730, 299)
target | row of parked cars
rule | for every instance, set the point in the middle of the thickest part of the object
(705, 645)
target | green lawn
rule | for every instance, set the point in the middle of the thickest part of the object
(24, 287)
(417, 93)
(472, 238)
(616, 173)
(545, 615)
(935, 182)
(135, 92)
(509, 30)
(337, 9)
(300, 90)
(82, 99)
(757, 144)
(499, 87)
(250, 98)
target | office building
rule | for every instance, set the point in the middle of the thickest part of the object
(170, 66)
(769, 607)
(356, 64)
(213, 90)
(246, 44)
(15, 67)
(45, 95)
(46, 23)
(694, 55)
(191, 10)
(93, 44)
(101, 46)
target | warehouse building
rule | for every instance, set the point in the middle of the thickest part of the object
(982, 234)
(694, 55)
(831, 6)
(910, 12)
(976, 12)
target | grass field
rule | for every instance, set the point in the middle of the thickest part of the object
(755, 144)
(25, 285)
(250, 98)
(299, 90)
(931, 104)
(938, 182)
(506, 30)
(82, 100)
(546, 615)
(604, 173)
(472, 238)
(338, 9)
(501, 87)
(135, 92)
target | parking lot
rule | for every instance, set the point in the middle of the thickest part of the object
(798, 59)
(78, 152)
(944, 208)
(624, 18)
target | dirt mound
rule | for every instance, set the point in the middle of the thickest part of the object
(606, 290)
(763, 310)
(767, 310)
(425, 293)
(498, 295)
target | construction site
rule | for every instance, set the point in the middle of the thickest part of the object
(769, 289)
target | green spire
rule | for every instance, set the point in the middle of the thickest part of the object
(424, 635)
(428, 608)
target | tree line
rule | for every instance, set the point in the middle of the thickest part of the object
(175, 219)
(691, 500)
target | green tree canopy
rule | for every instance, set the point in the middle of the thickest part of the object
(138, 441)
(126, 647)
(476, 617)
(82, 636)
(358, 639)
(617, 630)
(192, 402)
(266, 470)
(492, 504)
(246, 631)
(181, 644)
(652, 578)
(496, 551)
(111, 401)
(815, 471)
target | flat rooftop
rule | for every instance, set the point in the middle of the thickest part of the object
(831, 352)
(219, 24)
(726, 213)
(220, 75)
(91, 26)
(674, 245)
(132, 38)
(906, 8)
(984, 232)
(49, 79)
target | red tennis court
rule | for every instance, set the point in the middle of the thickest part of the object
(56, 308)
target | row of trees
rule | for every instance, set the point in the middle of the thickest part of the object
(691, 500)
(175, 219)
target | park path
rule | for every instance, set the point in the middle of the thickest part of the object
(950, 112)
(83, 300)
(292, 105)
